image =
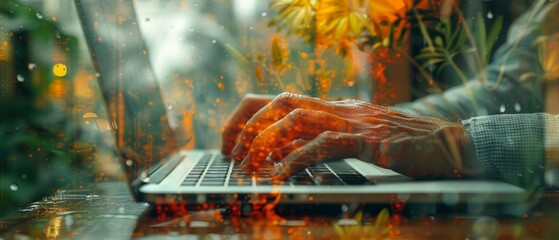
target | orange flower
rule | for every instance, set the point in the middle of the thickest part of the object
(380, 11)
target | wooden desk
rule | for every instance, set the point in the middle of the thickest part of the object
(108, 212)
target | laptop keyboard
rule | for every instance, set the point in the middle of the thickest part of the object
(217, 170)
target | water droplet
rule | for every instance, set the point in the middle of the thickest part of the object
(196, 5)
(20, 78)
(57, 35)
(251, 28)
(490, 15)
(502, 109)
(192, 29)
(97, 74)
(147, 19)
(31, 66)
(14, 187)
(39, 16)
(121, 210)
(517, 107)
(169, 106)
(214, 41)
(264, 14)
(24, 176)
(129, 163)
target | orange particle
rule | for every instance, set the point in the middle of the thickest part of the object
(259, 74)
(304, 55)
(218, 100)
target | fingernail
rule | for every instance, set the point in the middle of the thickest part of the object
(276, 172)
(246, 164)
(235, 152)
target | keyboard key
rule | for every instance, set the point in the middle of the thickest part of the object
(189, 183)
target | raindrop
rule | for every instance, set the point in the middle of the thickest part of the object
(490, 15)
(502, 109)
(196, 5)
(517, 107)
(129, 163)
(20, 78)
(39, 16)
(264, 14)
(192, 29)
(169, 106)
(97, 74)
(24, 176)
(147, 19)
(214, 41)
(31, 66)
(14, 187)
(57, 35)
(251, 28)
(121, 210)
(551, 178)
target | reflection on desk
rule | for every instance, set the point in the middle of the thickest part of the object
(109, 212)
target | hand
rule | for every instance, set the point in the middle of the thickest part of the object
(300, 131)
(248, 106)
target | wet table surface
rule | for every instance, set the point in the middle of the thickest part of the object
(108, 212)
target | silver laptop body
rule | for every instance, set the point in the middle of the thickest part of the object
(159, 172)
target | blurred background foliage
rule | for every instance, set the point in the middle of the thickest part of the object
(39, 151)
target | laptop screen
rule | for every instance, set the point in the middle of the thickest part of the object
(130, 89)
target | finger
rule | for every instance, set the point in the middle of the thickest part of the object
(271, 113)
(289, 128)
(249, 105)
(327, 146)
(280, 153)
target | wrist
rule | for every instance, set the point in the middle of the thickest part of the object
(462, 149)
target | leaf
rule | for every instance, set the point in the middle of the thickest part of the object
(481, 37)
(236, 54)
(382, 218)
(494, 33)
(339, 230)
(433, 61)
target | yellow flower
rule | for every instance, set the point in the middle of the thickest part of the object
(339, 22)
(378, 230)
(295, 15)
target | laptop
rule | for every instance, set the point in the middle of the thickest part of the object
(160, 172)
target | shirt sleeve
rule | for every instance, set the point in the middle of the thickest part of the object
(516, 147)
(510, 84)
